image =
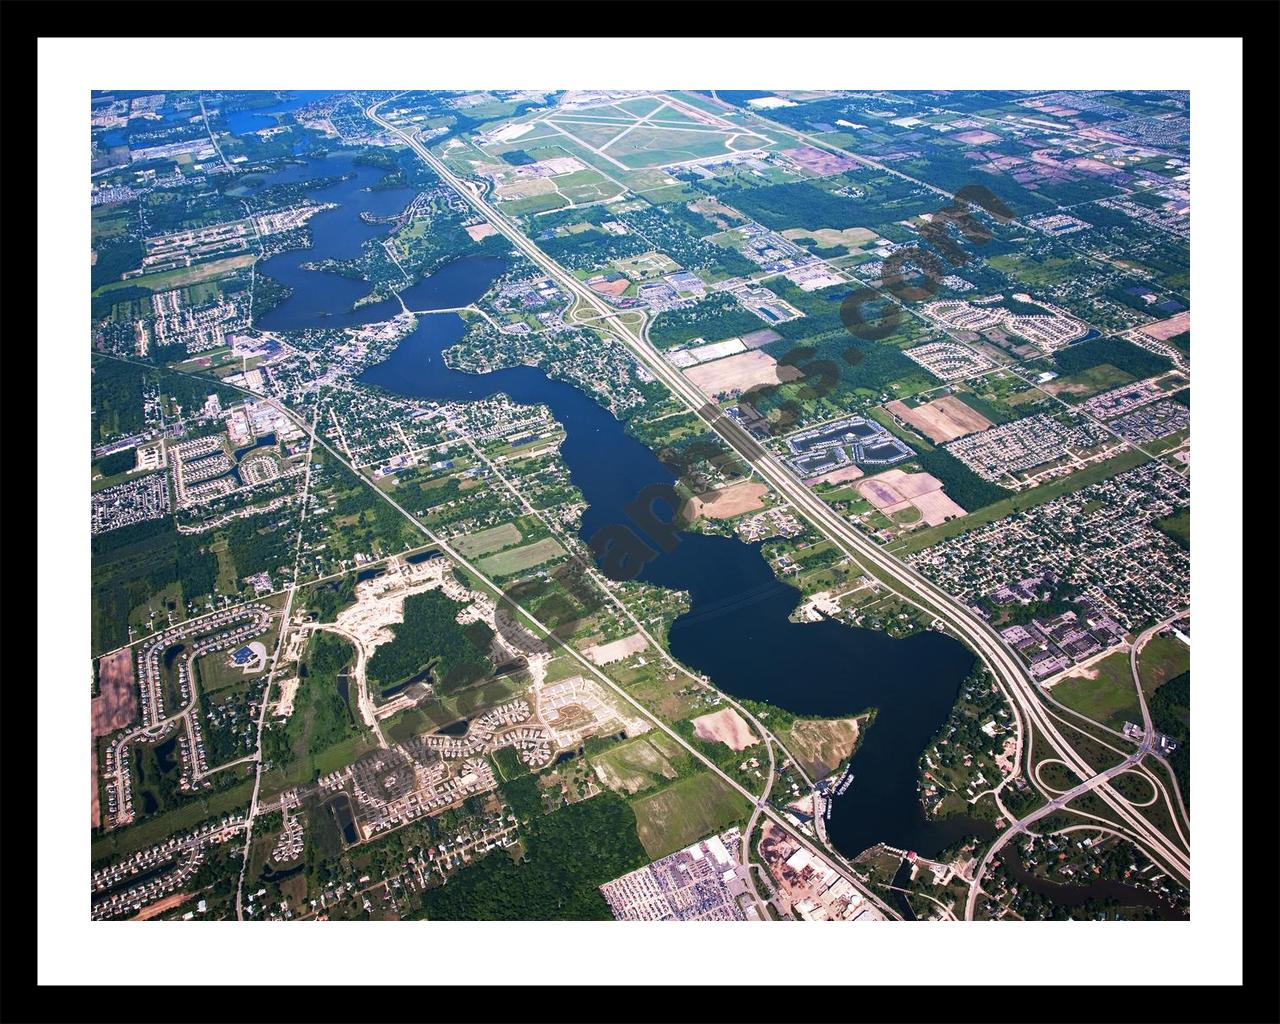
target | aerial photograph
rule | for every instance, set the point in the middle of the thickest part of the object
(638, 505)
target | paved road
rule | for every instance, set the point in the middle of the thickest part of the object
(205, 114)
(1007, 670)
(275, 667)
(1057, 803)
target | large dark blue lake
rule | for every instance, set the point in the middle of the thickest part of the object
(737, 630)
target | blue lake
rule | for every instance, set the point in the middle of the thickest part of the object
(241, 122)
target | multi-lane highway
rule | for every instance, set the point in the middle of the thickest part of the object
(1016, 685)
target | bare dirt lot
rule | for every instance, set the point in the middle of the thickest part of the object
(935, 507)
(837, 476)
(116, 704)
(822, 744)
(95, 812)
(893, 491)
(1165, 329)
(738, 373)
(727, 502)
(977, 137)
(725, 726)
(479, 232)
(161, 905)
(820, 161)
(617, 650)
(942, 420)
(612, 287)
(758, 339)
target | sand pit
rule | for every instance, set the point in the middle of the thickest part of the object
(727, 502)
(893, 491)
(1165, 329)
(942, 420)
(738, 373)
(822, 744)
(725, 726)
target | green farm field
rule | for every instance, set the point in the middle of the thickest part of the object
(685, 812)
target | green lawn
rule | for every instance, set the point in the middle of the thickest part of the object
(1110, 698)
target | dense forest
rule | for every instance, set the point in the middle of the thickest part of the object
(714, 318)
(568, 855)
(1121, 354)
(963, 485)
(430, 637)
(1170, 708)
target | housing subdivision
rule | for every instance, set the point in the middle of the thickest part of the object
(1050, 329)
(1152, 422)
(135, 501)
(1125, 399)
(1001, 452)
(1097, 552)
(948, 360)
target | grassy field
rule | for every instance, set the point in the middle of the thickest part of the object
(632, 766)
(1177, 527)
(1161, 659)
(182, 277)
(485, 541)
(216, 674)
(153, 830)
(520, 559)
(432, 714)
(685, 812)
(1089, 382)
(1110, 698)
